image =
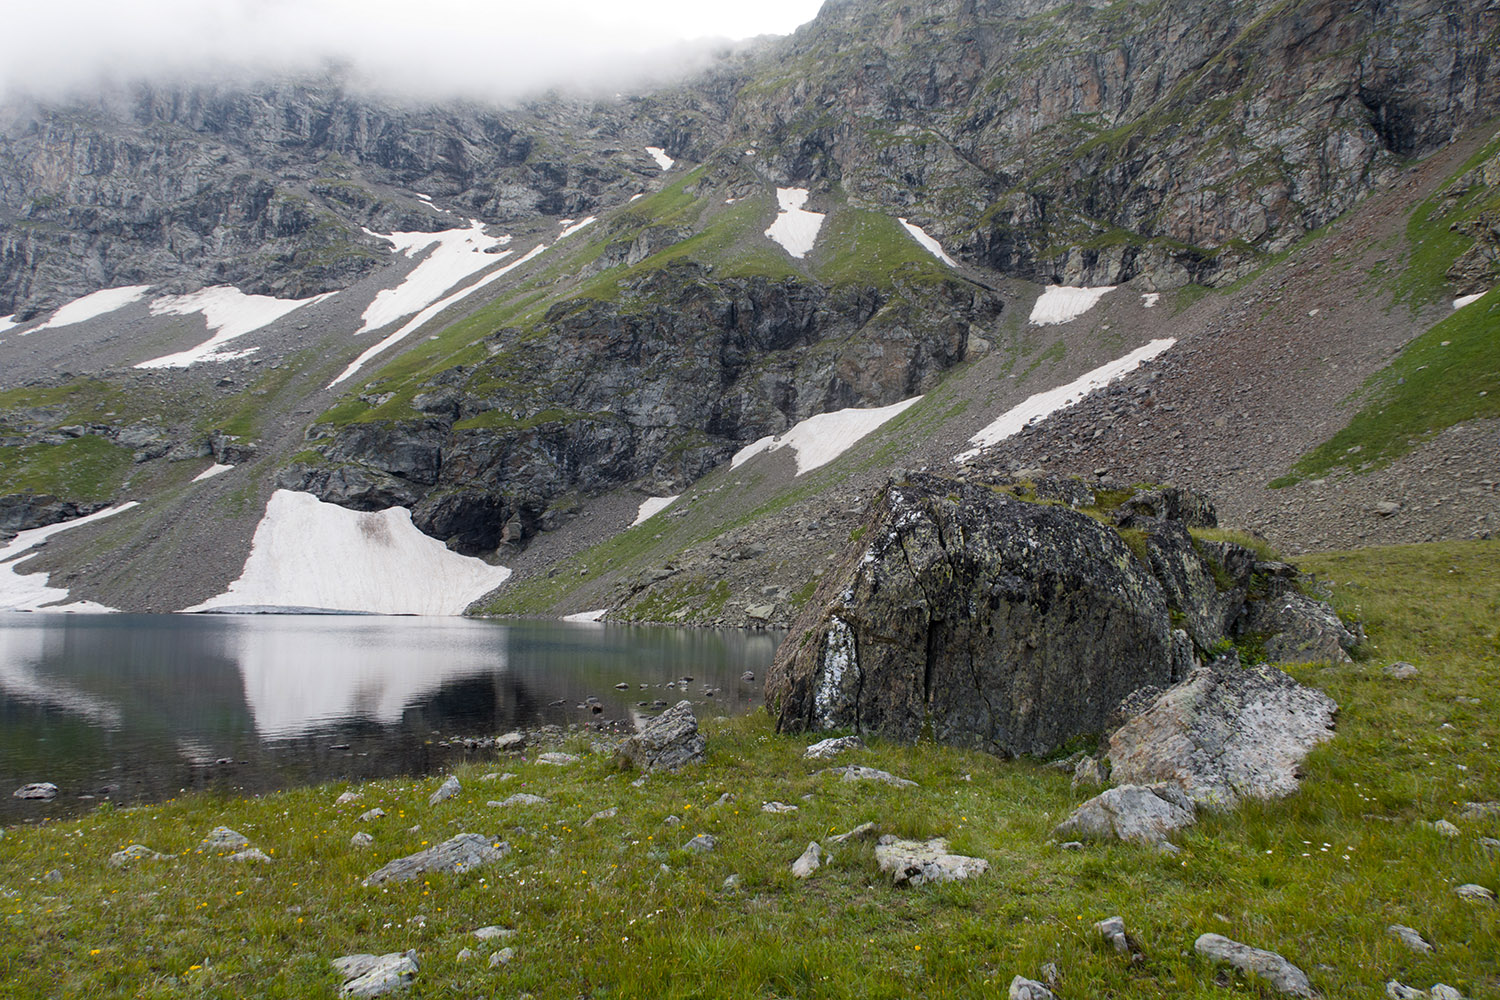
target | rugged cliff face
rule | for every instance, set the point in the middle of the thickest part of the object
(1091, 143)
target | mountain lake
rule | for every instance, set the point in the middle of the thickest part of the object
(139, 708)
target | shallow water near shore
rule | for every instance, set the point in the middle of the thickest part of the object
(132, 708)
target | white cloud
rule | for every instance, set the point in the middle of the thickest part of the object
(481, 48)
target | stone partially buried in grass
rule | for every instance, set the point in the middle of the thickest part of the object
(912, 862)
(1268, 965)
(456, 854)
(376, 975)
(135, 852)
(225, 840)
(1140, 813)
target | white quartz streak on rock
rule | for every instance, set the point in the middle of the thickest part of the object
(795, 228)
(1043, 404)
(310, 554)
(820, 439)
(92, 306)
(929, 244)
(229, 313)
(29, 591)
(452, 256)
(1060, 304)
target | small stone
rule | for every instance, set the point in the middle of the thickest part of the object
(456, 854)
(733, 882)
(361, 839)
(622, 686)
(671, 821)
(519, 799)
(464, 954)
(494, 933)
(601, 815)
(810, 861)
(556, 759)
(854, 772)
(1400, 991)
(912, 862)
(1268, 965)
(346, 798)
(250, 854)
(725, 799)
(371, 815)
(1141, 813)
(702, 844)
(1022, 988)
(1490, 844)
(1088, 773)
(42, 790)
(1386, 508)
(135, 852)
(1442, 991)
(1401, 671)
(777, 807)
(1071, 845)
(1479, 810)
(510, 741)
(1475, 893)
(748, 677)
(861, 832)
(445, 791)
(502, 957)
(1112, 929)
(221, 838)
(1409, 937)
(824, 749)
(1446, 828)
(374, 975)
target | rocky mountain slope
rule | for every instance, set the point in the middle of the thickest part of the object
(588, 303)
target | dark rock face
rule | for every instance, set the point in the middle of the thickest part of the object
(663, 384)
(977, 619)
(23, 511)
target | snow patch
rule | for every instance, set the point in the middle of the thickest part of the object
(29, 591)
(795, 228)
(570, 230)
(660, 156)
(1043, 404)
(213, 470)
(93, 306)
(1150, 299)
(651, 507)
(929, 244)
(1060, 304)
(637, 197)
(229, 313)
(587, 616)
(431, 311)
(819, 440)
(455, 254)
(425, 197)
(311, 554)
(1458, 303)
(8, 322)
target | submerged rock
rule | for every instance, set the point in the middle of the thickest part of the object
(1225, 733)
(668, 742)
(456, 854)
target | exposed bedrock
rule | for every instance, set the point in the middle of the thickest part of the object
(969, 616)
(660, 386)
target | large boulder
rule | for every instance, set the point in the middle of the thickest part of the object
(668, 742)
(1225, 733)
(1298, 629)
(977, 619)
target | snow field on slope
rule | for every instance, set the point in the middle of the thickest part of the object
(1060, 304)
(455, 254)
(229, 313)
(426, 314)
(29, 591)
(8, 322)
(821, 439)
(570, 227)
(1458, 303)
(1043, 404)
(216, 469)
(92, 306)
(650, 507)
(929, 244)
(586, 617)
(660, 156)
(311, 554)
(795, 228)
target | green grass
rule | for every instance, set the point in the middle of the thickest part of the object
(1448, 375)
(618, 908)
(1433, 238)
(84, 468)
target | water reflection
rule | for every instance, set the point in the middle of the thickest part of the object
(139, 707)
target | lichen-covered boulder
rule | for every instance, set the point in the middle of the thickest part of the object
(977, 619)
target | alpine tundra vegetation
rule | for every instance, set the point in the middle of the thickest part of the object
(1101, 397)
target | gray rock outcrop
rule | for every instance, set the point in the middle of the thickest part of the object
(1225, 733)
(667, 743)
(1268, 965)
(456, 854)
(1144, 814)
(376, 975)
(911, 862)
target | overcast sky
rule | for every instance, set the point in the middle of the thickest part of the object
(430, 48)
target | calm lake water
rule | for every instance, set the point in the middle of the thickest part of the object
(141, 707)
